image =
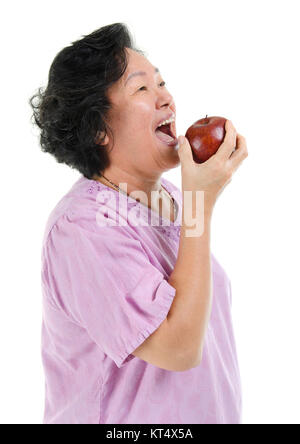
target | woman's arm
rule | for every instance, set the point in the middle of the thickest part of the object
(192, 278)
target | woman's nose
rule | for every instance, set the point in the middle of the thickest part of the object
(166, 99)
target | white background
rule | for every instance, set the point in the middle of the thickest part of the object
(236, 59)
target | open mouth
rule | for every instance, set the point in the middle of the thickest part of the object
(166, 134)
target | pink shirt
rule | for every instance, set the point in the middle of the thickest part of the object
(105, 290)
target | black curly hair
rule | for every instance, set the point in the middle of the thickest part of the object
(72, 110)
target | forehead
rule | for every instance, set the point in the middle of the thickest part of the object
(137, 65)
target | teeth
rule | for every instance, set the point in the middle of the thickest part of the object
(167, 121)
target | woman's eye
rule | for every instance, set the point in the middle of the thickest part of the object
(142, 87)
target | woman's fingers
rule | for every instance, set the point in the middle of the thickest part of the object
(185, 152)
(240, 153)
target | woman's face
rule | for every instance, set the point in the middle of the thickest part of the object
(139, 104)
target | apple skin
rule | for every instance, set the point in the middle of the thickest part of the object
(205, 137)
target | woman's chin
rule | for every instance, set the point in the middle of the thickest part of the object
(168, 155)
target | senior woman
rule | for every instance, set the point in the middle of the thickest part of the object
(137, 321)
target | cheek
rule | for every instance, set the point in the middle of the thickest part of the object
(143, 112)
(144, 106)
(135, 118)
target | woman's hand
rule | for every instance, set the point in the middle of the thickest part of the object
(213, 175)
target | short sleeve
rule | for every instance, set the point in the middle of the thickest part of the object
(104, 281)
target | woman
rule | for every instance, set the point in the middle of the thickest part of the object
(136, 310)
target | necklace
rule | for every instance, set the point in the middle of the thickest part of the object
(122, 191)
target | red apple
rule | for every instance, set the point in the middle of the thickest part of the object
(205, 137)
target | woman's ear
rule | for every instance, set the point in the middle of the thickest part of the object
(99, 138)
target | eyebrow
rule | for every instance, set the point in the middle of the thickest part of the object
(139, 73)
